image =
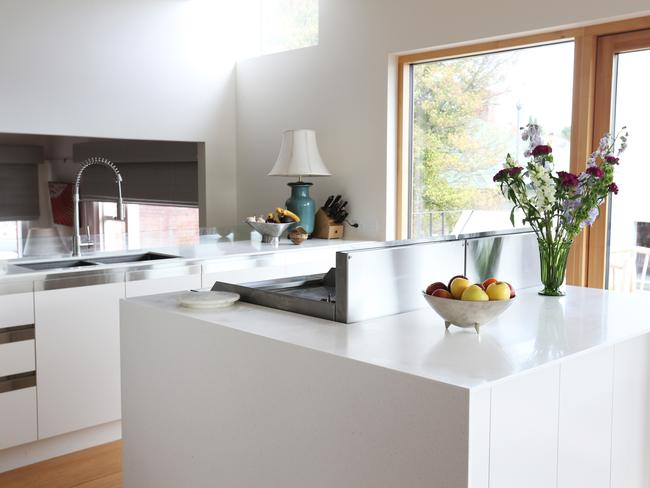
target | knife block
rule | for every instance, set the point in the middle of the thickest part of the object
(325, 227)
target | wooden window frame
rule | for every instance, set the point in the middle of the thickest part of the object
(586, 261)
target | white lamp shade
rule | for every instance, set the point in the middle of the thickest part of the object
(299, 155)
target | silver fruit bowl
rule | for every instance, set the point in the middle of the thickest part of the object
(270, 232)
(463, 313)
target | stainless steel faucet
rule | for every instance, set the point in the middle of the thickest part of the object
(76, 237)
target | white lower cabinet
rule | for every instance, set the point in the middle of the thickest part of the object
(163, 281)
(78, 357)
(17, 417)
(523, 439)
(630, 422)
(585, 423)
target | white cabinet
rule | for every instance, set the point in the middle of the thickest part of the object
(585, 423)
(245, 269)
(18, 417)
(78, 357)
(524, 434)
(16, 304)
(163, 280)
(630, 423)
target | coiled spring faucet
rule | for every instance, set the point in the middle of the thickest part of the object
(93, 161)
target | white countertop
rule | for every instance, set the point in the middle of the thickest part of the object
(533, 332)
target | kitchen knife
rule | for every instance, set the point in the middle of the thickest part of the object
(335, 208)
(340, 218)
(336, 200)
(328, 202)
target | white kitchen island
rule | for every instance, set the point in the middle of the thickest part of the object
(554, 393)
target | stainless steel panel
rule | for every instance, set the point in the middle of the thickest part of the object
(378, 282)
(72, 280)
(163, 272)
(513, 258)
(16, 334)
(297, 294)
(17, 381)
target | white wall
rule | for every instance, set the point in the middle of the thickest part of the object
(345, 87)
(145, 69)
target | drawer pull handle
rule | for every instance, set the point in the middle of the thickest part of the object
(17, 381)
(16, 334)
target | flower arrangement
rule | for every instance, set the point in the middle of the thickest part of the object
(558, 205)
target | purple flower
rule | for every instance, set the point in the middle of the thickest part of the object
(568, 179)
(611, 159)
(613, 188)
(595, 171)
(593, 215)
(515, 171)
(541, 150)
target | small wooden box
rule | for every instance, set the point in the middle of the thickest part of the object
(326, 228)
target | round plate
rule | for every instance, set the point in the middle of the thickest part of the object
(206, 300)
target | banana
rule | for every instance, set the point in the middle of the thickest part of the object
(283, 212)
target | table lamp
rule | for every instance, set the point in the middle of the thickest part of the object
(299, 157)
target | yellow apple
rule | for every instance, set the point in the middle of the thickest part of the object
(498, 291)
(458, 286)
(474, 293)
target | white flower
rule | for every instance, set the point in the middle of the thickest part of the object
(543, 187)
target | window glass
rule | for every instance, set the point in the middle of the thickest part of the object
(147, 225)
(466, 115)
(10, 237)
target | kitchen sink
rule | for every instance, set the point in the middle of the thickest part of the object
(56, 264)
(94, 261)
(133, 258)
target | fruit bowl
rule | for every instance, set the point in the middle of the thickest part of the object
(270, 232)
(467, 313)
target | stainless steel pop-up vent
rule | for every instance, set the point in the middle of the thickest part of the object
(313, 295)
(389, 279)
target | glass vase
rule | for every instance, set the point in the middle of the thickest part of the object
(553, 260)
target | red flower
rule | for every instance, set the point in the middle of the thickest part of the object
(568, 179)
(611, 159)
(595, 171)
(541, 150)
(613, 188)
(504, 173)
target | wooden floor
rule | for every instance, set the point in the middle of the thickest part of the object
(97, 467)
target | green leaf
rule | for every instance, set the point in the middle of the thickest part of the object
(512, 216)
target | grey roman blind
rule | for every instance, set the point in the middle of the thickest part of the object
(164, 173)
(19, 182)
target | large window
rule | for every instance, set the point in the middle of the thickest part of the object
(465, 115)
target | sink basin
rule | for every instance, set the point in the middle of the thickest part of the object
(76, 263)
(56, 264)
(133, 258)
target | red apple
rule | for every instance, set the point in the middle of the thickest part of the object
(488, 282)
(441, 293)
(512, 290)
(457, 276)
(438, 285)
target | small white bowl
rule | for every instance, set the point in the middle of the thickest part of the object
(463, 313)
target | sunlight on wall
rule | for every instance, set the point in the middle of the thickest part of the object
(270, 26)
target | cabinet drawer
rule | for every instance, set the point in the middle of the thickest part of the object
(163, 280)
(17, 416)
(16, 304)
(17, 357)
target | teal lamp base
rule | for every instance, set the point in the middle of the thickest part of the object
(302, 205)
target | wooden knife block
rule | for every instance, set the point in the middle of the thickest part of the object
(326, 228)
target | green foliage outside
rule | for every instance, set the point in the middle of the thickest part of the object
(455, 148)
